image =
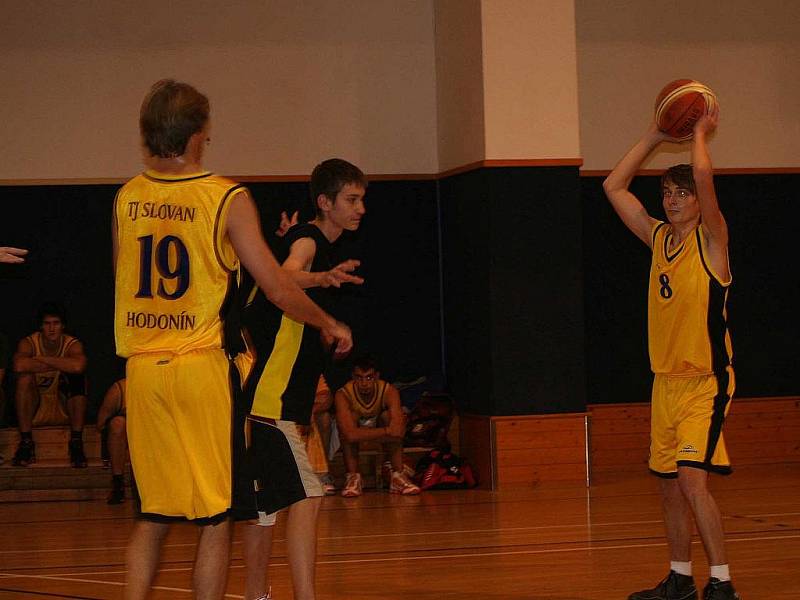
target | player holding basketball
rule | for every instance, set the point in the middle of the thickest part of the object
(179, 233)
(690, 352)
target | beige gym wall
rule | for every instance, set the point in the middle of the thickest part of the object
(530, 79)
(747, 52)
(459, 83)
(290, 83)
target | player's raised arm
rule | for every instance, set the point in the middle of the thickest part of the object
(626, 205)
(244, 232)
(714, 225)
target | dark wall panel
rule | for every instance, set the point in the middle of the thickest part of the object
(515, 258)
(536, 288)
(466, 262)
(512, 290)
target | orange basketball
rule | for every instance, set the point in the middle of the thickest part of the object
(680, 104)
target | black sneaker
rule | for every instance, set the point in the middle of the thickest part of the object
(76, 455)
(719, 590)
(673, 587)
(116, 496)
(25, 454)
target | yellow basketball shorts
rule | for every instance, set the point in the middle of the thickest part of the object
(687, 416)
(179, 433)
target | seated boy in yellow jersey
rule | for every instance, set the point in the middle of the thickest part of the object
(368, 409)
(179, 233)
(51, 388)
(111, 423)
(279, 392)
(690, 352)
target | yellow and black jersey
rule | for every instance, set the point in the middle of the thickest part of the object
(48, 382)
(687, 319)
(362, 408)
(175, 262)
(289, 357)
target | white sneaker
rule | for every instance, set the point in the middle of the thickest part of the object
(268, 595)
(352, 485)
(402, 485)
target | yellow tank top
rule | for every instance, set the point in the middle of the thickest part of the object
(361, 408)
(174, 263)
(687, 319)
(47, 381)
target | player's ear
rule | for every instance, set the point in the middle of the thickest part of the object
(324, 203)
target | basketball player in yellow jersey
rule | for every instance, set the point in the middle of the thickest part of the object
(690, 352)
(51, 388)
(368, 409)
(179, 233)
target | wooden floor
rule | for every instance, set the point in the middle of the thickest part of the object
(545, 543)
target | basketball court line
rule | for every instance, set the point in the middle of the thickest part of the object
(80, 577)
(498, 530)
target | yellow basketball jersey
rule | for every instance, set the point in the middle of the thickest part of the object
(362, 409)
(687, 318)
(47, 382)
(174, 263)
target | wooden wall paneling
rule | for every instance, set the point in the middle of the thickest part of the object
(531, 449)
(475, 442)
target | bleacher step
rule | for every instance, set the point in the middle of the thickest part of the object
(52, 477)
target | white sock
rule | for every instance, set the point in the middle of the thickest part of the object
(682, 568)
(721, 572)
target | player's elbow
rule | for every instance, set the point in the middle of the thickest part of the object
(610, 186)
(78, 366)
(346, 432)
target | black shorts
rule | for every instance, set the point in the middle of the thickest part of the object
(273, 471)
(72, 384)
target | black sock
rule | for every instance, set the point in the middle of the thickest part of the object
(76, 435)
(26, 435)
(118, 481)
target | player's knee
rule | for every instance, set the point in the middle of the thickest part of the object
(116, 426)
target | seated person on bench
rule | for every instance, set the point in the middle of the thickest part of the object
(368, 409)
(51, 388)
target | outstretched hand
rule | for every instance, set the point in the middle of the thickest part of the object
(11, 255)
(341, 273)
(286, 223)
(659, 136)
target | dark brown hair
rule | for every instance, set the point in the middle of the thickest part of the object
(330, 176)
(681, 175)
(172, 112)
